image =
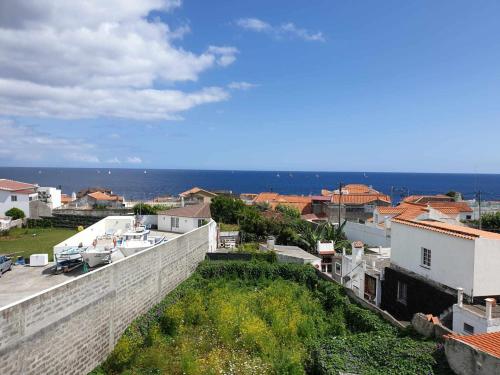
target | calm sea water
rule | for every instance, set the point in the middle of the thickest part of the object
(135, 184)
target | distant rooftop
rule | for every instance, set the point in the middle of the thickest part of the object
(16, 186)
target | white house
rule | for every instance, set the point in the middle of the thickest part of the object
(431, 260)
(51, 196)
(184, 219)
(470, 319)
(16, 194)
(364, 273)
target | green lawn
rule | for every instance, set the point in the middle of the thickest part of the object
(25, 242)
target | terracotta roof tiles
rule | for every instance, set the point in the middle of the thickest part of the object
(486, 342)
(450, 229)
(11, 185)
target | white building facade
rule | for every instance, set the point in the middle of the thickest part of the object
(184, 219)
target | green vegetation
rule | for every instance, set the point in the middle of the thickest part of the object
(229, 227)
(266, 318)
(26, 241)
(287, 227)
(146, 209)
(489, 221)
(15, 213)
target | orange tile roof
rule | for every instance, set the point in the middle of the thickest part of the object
(460, 206)
(303, 204)
(389, 210)
(427, 198)
(359, 199)
(66, 198)
(197, 190)
(100, 196)
(486, 342)
(450, 229)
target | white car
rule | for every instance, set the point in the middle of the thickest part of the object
(5, 264)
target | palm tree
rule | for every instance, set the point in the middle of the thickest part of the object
(309, 236)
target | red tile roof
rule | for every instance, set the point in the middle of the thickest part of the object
(100, 196)
(197, 190)
(450, 229)
(486, 342)
(16, 186)
(201, 211)
(356, 194)
(460, 206)
(303, 204)
(428, 198)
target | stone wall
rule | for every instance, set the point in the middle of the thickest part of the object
(72, 327)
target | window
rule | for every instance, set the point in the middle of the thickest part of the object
(402, 292)
(468, 217)
(200, 222)
(13, 198)
(468, 329)
(338, 268)
(174, 222)
(30, 199)
(426, 258)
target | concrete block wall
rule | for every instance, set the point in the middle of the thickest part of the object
(72, 327)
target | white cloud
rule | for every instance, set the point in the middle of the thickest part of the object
(114, 160)
(253, 24)
(242, 85)
(134, 160)
(19, 142)
(98, 58)
(288, 29)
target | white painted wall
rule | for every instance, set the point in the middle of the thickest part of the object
(55, 196)
(452, 257)
(486, 267)
(479, 322)
(87, 236)
(186, 224)
(23, 202)
(368, 234)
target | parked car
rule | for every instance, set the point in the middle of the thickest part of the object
(5, 264)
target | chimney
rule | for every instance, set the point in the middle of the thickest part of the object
(460, 297)
(182, 201)
(270, 243)
(490, 302)
(357, 251)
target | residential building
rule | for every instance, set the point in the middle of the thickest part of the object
(356, 202)
(487, 207)
(184, 219)
(94, 199)
(477, 354)
(481, 316)
(430, 260)
(424, 199)
(197, 195)
(51, 196)
(248, 198)
(363, 273)
(16, 194)
(301, 203)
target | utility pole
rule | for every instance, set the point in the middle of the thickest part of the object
(340, 201)
(479, 208)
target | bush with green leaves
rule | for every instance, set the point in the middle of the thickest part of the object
(266, 318)
(147, 209)
(15, 213)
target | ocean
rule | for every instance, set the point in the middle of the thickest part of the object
(137, 184)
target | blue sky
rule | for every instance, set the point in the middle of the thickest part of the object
(260, 85)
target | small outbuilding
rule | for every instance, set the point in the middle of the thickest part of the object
(184, 219)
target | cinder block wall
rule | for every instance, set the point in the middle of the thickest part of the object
(72, 327)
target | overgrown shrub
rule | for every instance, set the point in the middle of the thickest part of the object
(266, 318)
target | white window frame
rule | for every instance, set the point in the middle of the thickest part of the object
(13, 198)
(174, 222)
(426, 257)
(402, 293)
